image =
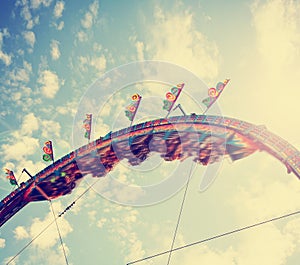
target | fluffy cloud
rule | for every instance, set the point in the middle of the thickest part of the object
(122, 225)
(23, 144)
(55, 52)
(20, 75)
(60, 25)
(30, 124)
(20, 233)
(277, 31)
(203, 255)
(261, 199)
(29, 37)
(90, 16)
(58, 9)
(13, 262)
(140, 50)
(49, 237)
(257, 198)
(98, 63)
(2, 242)
(4, 57)
(26, 14)
(36, 3)
(87, 21)
(265, 245)
(277, 27)
(50, 128)
(19, 150)
(49, 83)
(94, 8)
(175, 38)
(81, 36)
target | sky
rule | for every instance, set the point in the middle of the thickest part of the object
(51, 54)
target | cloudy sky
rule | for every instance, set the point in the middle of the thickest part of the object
(51, 52)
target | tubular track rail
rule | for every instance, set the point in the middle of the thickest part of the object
(204, 137)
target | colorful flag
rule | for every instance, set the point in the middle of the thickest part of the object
(214, 93)
(48, 151)
(172, 96)
(133, 107)
(87, 125)
(11, 177)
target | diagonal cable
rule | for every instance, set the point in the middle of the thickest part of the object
(180, 213)
(44, 229)
(59, 234)
(217, 236)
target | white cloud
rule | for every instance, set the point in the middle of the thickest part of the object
(58, 9)
(87, 21)
(55, 52)
(2, 242)
(101, 222)
(60, 25)
(265, 245)
(277, 26)
(257, 198)
(50, 83)
(14, 262)
(97, 47)
(174, 37)
(4, 57)
(50, 128)
(97, 62)
(22, 144)
(29, 37)
(69, 108)
(204, 255)
(293, 228)
(29, 125)
(82, 36)
(36, 3)
(262, 199)
(90, 16)
(50, 237)
(140, 50)
(121, 222)
(32, 22)
(20, 233)
(26, 14)
(94, 8)
(25, 146)
(21, 74)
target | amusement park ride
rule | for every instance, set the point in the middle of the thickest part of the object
(206, 138)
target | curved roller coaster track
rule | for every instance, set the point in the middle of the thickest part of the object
(206, 138)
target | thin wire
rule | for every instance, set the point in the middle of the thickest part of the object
(216, 237)
(59, 234)
(30, 242)
(180, 213)
(19, 177)
(42, 231)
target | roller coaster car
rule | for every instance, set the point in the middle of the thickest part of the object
(174, 150)
(134, 161)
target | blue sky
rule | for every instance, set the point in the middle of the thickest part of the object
(51, 52)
